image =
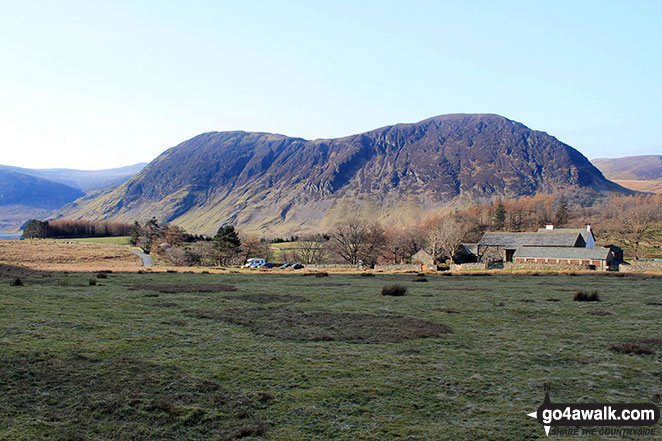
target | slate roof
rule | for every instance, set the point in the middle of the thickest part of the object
(585, 234)
(562, 253)
(514, 240)
(471, 248)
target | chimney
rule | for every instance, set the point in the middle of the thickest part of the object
(588, 227)
(549, 227)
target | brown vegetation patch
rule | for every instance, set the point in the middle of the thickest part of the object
(166, 304)
(171, 288)
(552, 299)
(654, 303)
(298, 325)
(268, 298)
(52, 255)
(646, 346)
(76, 397)
(599, 312)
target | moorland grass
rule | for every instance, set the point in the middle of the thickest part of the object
(107, 362)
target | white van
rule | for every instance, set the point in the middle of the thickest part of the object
(254, 263)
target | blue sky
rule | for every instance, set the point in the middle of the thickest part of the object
(102, 84)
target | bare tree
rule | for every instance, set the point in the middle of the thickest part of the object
(356, 240)
(251, 247)
(403, 243)
(445, 234)
(310, 249)
(637, 217)
(202, 253)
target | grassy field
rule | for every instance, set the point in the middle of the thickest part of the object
(288, 357)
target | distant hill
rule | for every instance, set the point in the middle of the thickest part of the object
(276, 184)
(641, 173)
(32, 193)
(85, 180)
(22, 189)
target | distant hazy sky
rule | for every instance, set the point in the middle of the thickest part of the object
(93, 84)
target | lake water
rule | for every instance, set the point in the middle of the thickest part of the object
(10, 236)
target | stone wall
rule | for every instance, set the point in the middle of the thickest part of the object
(399, 267)
(330, 265)
(546, 266)
(468, 266)
(641, 266)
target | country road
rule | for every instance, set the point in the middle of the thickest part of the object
(146, 259)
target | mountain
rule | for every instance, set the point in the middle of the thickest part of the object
(85, 180)
(641, 173)
(22, 189)
(39, 193)
(23, 197)
(276, 184)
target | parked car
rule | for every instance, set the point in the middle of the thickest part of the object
(265, 265)
(297, 266)
(286, 265)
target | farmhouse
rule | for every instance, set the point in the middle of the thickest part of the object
(501, 246)
(561, 246)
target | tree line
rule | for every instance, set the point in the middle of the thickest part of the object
(629, 221)
(66, 228)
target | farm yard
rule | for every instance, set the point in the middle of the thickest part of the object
(279, 356)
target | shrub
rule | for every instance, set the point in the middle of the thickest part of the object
(93, 281)
(16, 282)
(420, 279)
(584, 296)
(102, 276)
(367, 275)
(394, 290)
(322, 274)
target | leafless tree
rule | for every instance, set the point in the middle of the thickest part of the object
(445, 234)
(357, 240)
(637, 217)
(202, 253)
(310, 249)
(402, 243)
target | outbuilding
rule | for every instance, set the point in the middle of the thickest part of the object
(593, 258)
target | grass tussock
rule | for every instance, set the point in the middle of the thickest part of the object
(92, 281)
(102, 275)
(367, 275)
(16, 281)
(552, 299)
(585, 296)
(297, 325)
(395, 290)
(420, 279)
(172, 288)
